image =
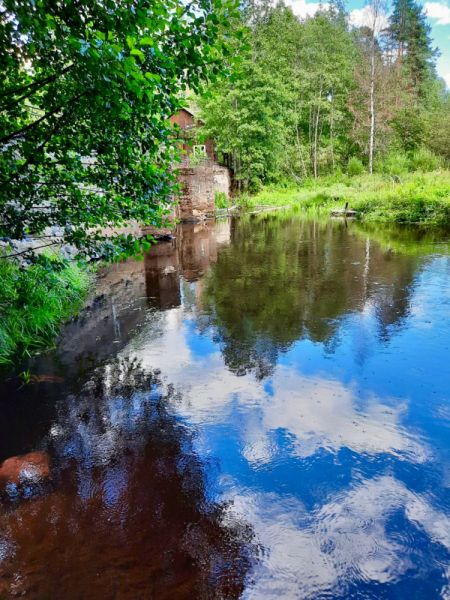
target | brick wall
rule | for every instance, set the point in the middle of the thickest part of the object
(198, 188)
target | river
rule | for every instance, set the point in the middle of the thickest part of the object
(260, 409)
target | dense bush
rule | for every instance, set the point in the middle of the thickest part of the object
(394, 163)
(354, 167)
(221, 200)
(35, 301)
(424, 160)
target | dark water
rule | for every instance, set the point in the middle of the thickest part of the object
(260, 409)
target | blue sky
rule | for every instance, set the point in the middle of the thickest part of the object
(438, 15)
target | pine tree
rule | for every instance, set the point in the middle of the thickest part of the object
(410, 42)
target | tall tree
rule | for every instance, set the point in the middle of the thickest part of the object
(376, 9)
(246, 113)
(312, 92)
(410, 41)
(285, 114)
(372, 99)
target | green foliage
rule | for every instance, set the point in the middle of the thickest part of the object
(299, 102)
(395, 163)
(244, 200)
(35, 301)
(285, 110)
(398, 163)
(425, 160)
(422, 198)
(221, 200)
(438, 134)
(86, 89)
(354, 167)
(197, 158)
(245, 119)
(410, 128)
(414, 207)
(25, 377)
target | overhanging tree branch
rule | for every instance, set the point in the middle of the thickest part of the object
(11, 136)
(36, 84)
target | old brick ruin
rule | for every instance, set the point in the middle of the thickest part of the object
(198, 183)
(199, 186)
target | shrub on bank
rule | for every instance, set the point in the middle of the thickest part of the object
(398, 163)
(34, 302)
(395, 163)
(354, 167)
(221, 200)
(424, 160)
(423, 197)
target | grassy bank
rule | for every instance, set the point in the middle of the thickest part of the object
(34, 303)
(419, 198)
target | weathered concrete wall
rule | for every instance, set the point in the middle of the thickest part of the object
(198, 187)
(222, 179)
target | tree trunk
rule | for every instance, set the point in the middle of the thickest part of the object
(372, 107)
(332, 132)
(316, 132)
(300, 153)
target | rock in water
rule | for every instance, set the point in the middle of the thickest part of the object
(29, 468)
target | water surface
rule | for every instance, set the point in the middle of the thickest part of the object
(259, 409)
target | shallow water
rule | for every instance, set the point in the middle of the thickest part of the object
(260, 409)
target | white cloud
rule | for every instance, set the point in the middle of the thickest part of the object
(363, 17)
(307, 554)
(304, 9)
(439, 11)
(446, 78)
(317, 412)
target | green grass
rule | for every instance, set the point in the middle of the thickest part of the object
(421, 198)
(34, 302)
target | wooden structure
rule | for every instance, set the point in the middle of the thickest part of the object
(187, 122)
(343, 212)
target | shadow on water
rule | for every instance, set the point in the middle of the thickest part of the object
(124, 514)
(248, 413)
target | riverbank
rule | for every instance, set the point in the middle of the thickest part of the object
(414, 198)
(35, 302)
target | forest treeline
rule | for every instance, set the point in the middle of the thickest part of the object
(312, 96)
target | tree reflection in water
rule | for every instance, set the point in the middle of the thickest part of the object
(128, 516)
(287, 279)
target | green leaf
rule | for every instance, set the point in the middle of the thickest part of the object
(146, 41)
(136, 52)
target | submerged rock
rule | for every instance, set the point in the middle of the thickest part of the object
(30, 468)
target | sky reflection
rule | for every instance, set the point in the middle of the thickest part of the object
(335, 453)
